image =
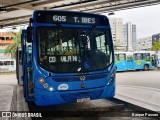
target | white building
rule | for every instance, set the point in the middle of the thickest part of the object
(129, 33)
(117, 31)
(144, 43)
(134, 36)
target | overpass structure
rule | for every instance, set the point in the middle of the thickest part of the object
(18, 12)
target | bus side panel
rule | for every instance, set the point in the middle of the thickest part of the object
(122, 65)
(27, 75)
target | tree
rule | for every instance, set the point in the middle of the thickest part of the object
(156, 46)
(16, 42)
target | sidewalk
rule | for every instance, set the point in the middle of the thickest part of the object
(6, 93)
(148, 98)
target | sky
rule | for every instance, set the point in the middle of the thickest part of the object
(147, 19)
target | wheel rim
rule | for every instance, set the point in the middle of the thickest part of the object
(146, 67)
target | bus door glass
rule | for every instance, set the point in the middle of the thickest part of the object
(153, 60)
(19, 69)
(147, 60)
(20, 63)
(158, 59)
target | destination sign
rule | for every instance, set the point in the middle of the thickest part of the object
(62, 59)
(70, 18)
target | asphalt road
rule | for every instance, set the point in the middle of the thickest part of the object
(149, 79)
(140, 78)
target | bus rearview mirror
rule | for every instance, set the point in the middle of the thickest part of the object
(29, 34)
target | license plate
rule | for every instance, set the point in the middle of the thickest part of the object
(80, 100)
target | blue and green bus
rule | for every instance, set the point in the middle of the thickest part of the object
(67, 57)
(141, 60)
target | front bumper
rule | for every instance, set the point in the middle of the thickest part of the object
(46, 98)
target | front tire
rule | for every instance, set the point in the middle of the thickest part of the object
(146, 67)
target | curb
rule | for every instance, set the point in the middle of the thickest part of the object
(18, 104)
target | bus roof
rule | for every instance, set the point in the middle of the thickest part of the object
(7, 59)
(152, 52)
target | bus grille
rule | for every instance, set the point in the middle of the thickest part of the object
(77, 78)
(72, 97)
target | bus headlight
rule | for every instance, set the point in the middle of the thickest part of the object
(111, 79)
(51, 89)
(45, 85)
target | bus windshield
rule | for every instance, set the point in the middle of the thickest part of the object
(73, 49)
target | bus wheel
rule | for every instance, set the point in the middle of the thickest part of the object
(146, 67)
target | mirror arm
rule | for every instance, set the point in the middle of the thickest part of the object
(29, 31)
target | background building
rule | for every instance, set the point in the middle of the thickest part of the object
(134, 36)
(155, 38)
(144, 43)
(5, 40)
(129, 33)
(117, 32)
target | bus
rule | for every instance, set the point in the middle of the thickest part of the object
(158, 59)
(8, 65)
(141, 60)
(19, 68)
(67, 57)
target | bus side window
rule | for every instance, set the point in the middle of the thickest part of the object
(141, 56)
(138, 56)
(12, 62)
(129, 57)
(135, 56)
(29, 53)
(146, 56)
(6, 62)
(1, 63)
(122, 56)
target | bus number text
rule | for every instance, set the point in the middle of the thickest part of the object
(59, 18)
